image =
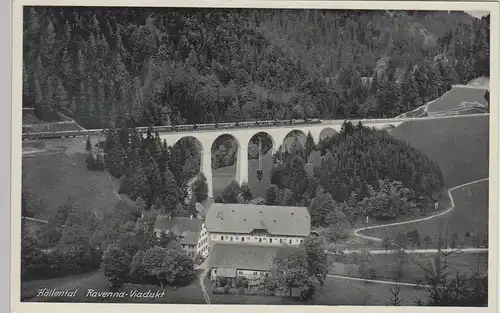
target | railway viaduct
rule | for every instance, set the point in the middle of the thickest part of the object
(278, 134)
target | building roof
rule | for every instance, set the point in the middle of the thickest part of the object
(189, 238)
(246, 256)
(177, 225)
(244, 218)
(226, 272)
(258, 200)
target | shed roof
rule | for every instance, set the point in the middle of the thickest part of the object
(226, 272)
(246, 256)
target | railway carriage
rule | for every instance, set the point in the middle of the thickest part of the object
(172, 128)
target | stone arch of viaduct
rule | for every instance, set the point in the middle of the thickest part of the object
(243, 136)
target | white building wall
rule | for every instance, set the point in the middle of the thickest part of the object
(203, 242)
(251, 274)
(248, 274)
(206, 240)
(262, 239)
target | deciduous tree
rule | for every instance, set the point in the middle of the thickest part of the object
(115, 265)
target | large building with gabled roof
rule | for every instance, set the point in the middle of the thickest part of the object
(253, 224)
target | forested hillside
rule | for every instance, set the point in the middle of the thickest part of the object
(160, 66)
(362, 172)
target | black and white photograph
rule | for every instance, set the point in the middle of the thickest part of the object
(300, 156)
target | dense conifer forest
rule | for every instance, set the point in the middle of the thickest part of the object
(172, 66)
(362, 172)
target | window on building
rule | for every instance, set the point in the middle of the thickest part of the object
(215, 271)
(255, 273)
(221, 237)
(242, 238)
(281, 240)
(271, 240)
(260, 239)
(301, 241)
(231, 238)
(240, 272)
(225, 237)
(290, 241)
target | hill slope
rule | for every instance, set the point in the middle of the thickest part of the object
(459, 145)
(196, 65)
(456, 96)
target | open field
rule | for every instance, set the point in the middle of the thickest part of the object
(334, 292)
(94, 280)
(480, 81)
(353, 292)
(413, 271)
(418, 112)
(459, 145)
(97, 281)
(60, 172)
(461, 148)
(31, 123)
(454, 97)
(470, 215)
(51, 127)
